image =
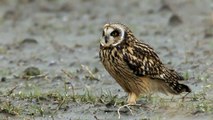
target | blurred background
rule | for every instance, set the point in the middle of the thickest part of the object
(50, 47)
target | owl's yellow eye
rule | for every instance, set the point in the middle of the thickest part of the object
(115, 33)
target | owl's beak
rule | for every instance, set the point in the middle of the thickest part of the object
(106, 38)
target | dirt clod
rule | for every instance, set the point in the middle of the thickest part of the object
(175, 20)
(3, 79)
(208, 32)
(31, 71)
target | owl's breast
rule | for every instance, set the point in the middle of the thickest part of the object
(113, 61)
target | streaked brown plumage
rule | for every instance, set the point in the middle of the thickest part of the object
(135, 65)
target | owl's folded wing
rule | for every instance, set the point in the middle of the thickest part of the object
(143, 61)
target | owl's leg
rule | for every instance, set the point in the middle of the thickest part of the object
(132, 98)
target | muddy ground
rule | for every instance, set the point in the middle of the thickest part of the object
(60, 39)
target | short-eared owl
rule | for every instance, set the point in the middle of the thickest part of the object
(135, 65)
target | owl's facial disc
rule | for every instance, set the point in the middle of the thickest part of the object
(112, 35)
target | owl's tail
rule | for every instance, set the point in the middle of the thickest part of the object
(175, 87)
(179, 88)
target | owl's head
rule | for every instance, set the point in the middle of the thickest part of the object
(113, 34)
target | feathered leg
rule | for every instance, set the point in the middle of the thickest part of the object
(132, 98)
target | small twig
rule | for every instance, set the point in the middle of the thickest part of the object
(32, 77)
(11, 91)
(71, 77)
(172, 98)
(59, 106)
(90, 72)
(183, 98)
(118, 111)
(128, 106)
(37, 76)
(96, 117)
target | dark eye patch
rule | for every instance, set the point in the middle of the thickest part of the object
(115, 33)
